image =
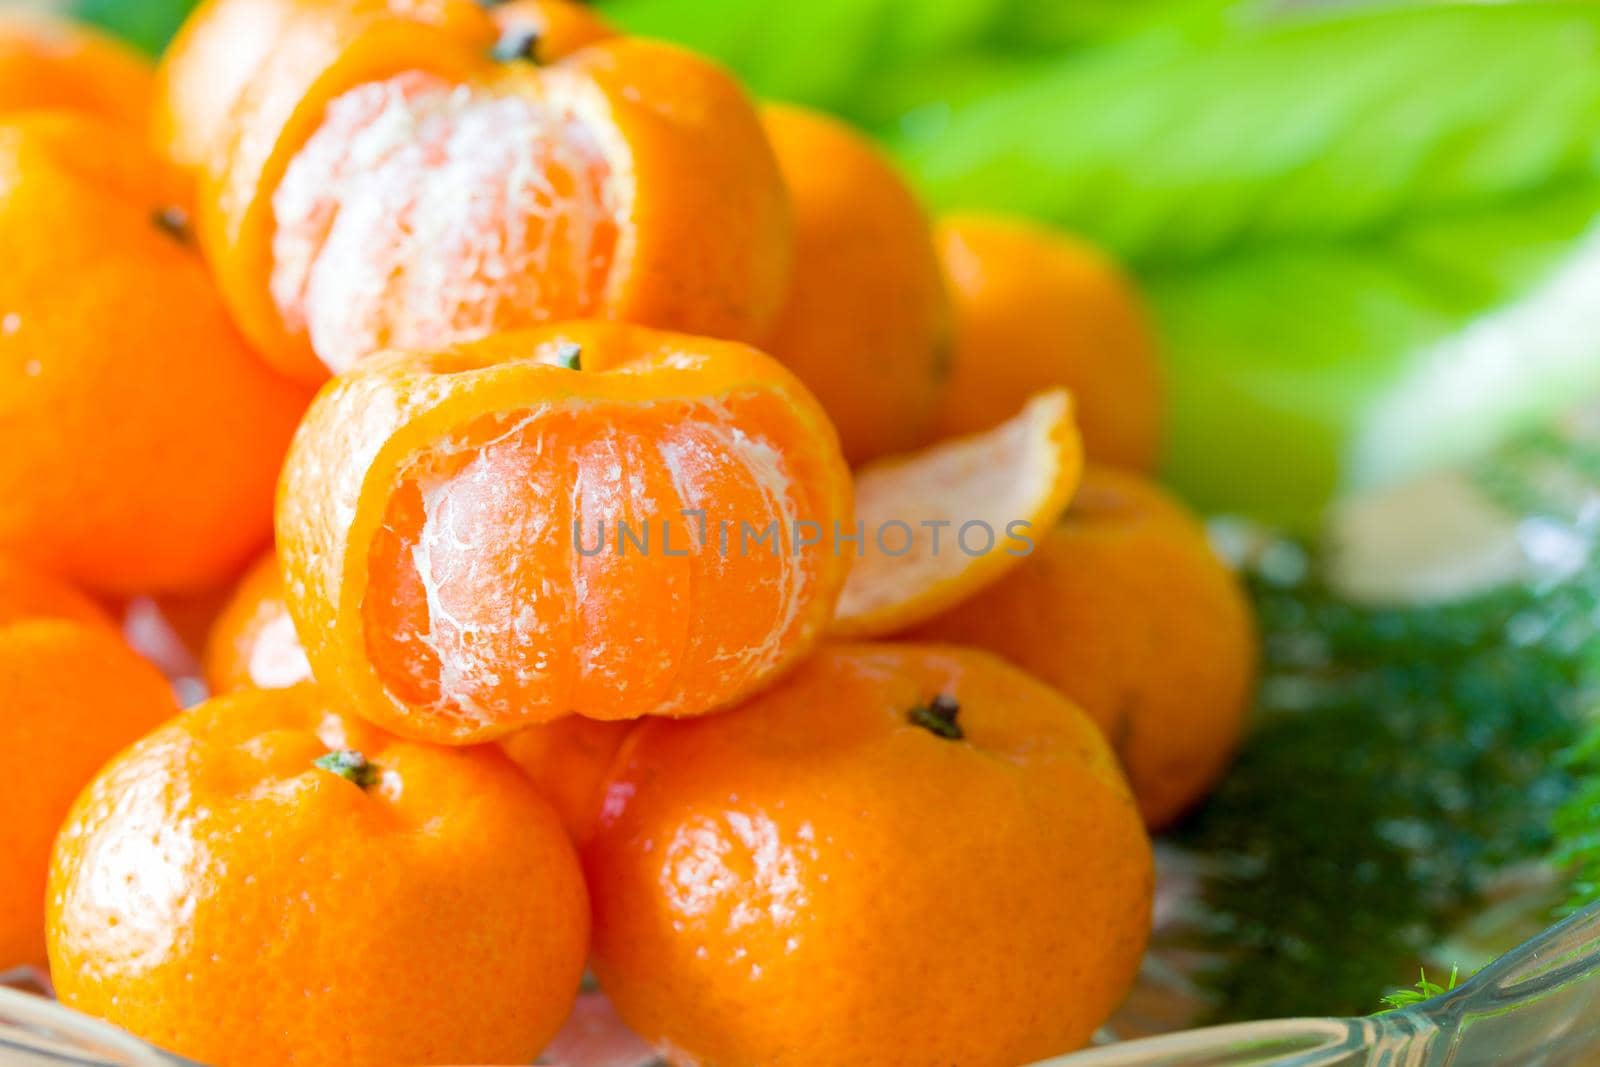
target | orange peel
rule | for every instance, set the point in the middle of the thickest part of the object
(941, 524)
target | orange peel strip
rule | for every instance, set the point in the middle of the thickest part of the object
(1015, 480)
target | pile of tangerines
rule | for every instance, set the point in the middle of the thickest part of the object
(684, 560)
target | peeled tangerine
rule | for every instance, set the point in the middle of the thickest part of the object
(73, 695)
(253, 646)
(592, 518)
(1125, 608)
(901, 855)
(382, 176)
(140, 439)
(266, 880)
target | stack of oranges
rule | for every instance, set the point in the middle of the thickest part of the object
(688, 562)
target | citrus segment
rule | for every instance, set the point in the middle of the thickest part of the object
(938, 525)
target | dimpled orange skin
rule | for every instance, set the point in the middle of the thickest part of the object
(866, 324)
(219, 895)
(433, 506)
(1125, 608)
(47, 64)
(142, 439)
(812, 878)
(703, 238)
(1036, 308)
(73, 695)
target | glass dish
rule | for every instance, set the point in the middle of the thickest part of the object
(1537, 1006)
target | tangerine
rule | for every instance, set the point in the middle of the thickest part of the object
(899, 855)
(74, 695)
(590, 518)
(866, 324)
(1125, 608)
(380, 901)
(1035, 309)
(384, 175)
(142, 439)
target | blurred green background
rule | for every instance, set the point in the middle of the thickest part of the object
(1366, 230)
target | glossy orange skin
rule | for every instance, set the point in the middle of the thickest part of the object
(533, 631)
(1036, 308)
(74, 695)
(216, 893)
(142, 438)
(567, 761)
(47, 64)
(811, 878)
(705, 218)
(866, 324)
(1125, 608)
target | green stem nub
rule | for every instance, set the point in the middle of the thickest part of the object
(520, 45)
(174, 222)
(351, 766)
(938, 716)
(570, 356)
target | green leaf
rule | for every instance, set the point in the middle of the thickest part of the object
(824, 53)
(1363, 235)
(1312, 129)
(1302, 371)
(1420, 993)
(146, 24)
